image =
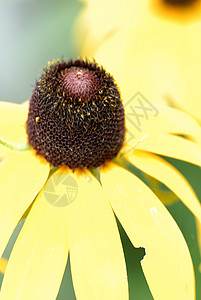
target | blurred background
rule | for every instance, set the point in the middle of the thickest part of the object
(33, 32)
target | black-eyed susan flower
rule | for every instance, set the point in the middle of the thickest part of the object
(73, 178)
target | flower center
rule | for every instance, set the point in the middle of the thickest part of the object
(76, 116)
(80, 82)
(179, 2)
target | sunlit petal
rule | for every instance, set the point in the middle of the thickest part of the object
(12, 122)
(22, 176)
(144, 118)
(172, 146)
(167, 265)
(39, 256)
(96, 255)
(180, 122)
(167, 174)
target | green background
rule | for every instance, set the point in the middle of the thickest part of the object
(33, 33)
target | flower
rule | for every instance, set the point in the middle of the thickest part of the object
(159, 52)
(68, 210)
(180, 11)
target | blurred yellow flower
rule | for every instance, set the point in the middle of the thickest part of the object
(179, 11)
(146, 49)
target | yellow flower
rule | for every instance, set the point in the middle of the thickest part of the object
(179, 11)
(149, 46)
(70, 211)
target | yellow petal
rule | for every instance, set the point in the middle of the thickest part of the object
(12, 122)
(144, 118)
(39, 256)
(3, 264)
(172, 146)
(22, 175)
(167, 174)
(167, 265)
(181, 123)
(96, 255)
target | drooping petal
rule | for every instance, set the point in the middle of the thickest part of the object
(96, 255)
(172, 146)
(22, 175)
(167, 265)
(39, 256)
(171, 177)
(12, 122)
